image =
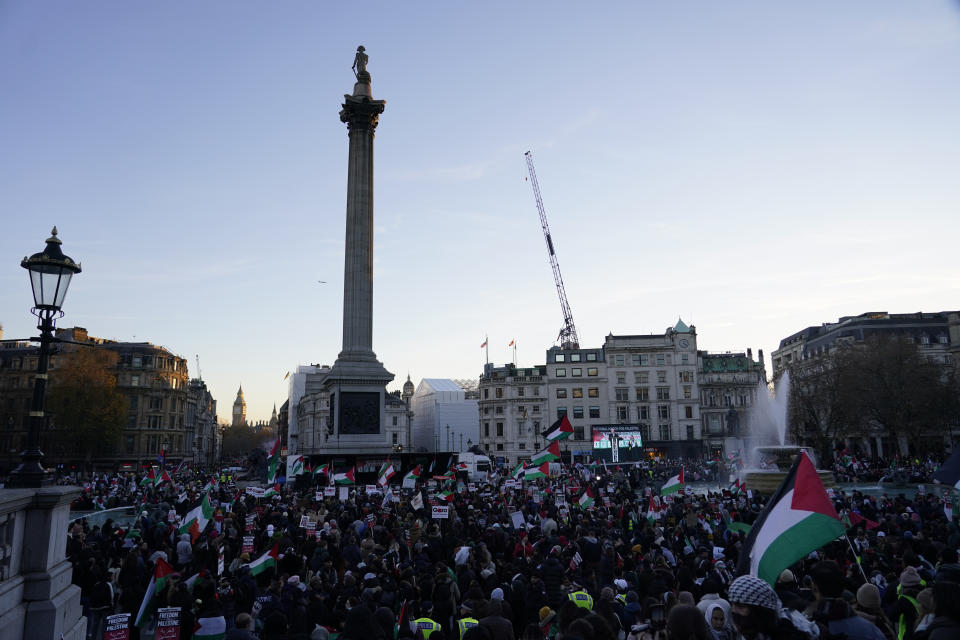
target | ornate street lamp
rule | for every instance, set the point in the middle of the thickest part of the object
(50, 275)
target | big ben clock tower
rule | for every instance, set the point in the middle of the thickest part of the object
(239, 409)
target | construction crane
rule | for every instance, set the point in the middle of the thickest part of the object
(568, 338)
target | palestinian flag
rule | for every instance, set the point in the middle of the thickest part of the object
(149, 480)
(444, 495)
(673, 485)
(517, 473)
(949, 471)
(264, 562)
(736, 488)
(798, 519)
(586, 500)
(273, 463)
(549, 454)
(345, 478)
(559, 430)
(161, 574)
(210, 628)
(294, 466)
(533, 473)
(653, 511)
(272, 491)
(196, 521)
(323, 469)
(192, 580)
(732, 525)
(163, 477)
(386, 472)
(461, 466)
(857, 518)
(410, 480)
(211, 484)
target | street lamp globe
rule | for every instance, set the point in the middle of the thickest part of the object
(50, 275)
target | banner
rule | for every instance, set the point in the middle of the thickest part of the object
(440, 512)
(168, 624)
(247, 545)
(344, 494)
(330, 491)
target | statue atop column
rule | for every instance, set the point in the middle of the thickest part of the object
(360, 66)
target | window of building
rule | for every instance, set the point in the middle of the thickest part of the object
(536, 391)
(663, 411)
(665, 432)
(394, 420)
(486, 429)
(663, 393)
(621, 394)
(635, 359)
(592, 372)
(578, 392)
(137, 362)
(578, 433)
(560, 358)
(522, 446)
(499, 392)
(520, 391)
(561, 393)
(660, 359)
(643, 394)
(578, 412)
(536, 408)
(576, 372)
(499, 447)
(561, 411)
(574, 357)
(594, 412)
(135, 381)
(619, 360)
(486, 393)
(172, 422)
(522, 409)
(134, 402)
(561, 372)
(498, 411)
(621, 412)
(131, 421)
(591, 357)
(687, 391)
(154, 422)
(621, 377)
(130, 443)
(486, 411)
(661, 377)
(686, 376)
(924, 339)
(499, 429)
(641, 377)
(689, 432)
(395, 437)
(715, 423)
(593, 392)
(643, 412)
(942, 339)
(743, 400)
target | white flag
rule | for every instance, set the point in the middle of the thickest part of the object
(416, 501)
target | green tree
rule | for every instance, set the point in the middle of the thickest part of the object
(239, 441)
(88, 411)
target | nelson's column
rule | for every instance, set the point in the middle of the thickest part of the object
(357, 380)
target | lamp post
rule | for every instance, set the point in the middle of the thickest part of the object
(50, 275)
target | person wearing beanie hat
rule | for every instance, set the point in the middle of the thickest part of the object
(905, 611)
(869, 608)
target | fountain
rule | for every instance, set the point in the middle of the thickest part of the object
(769, 463)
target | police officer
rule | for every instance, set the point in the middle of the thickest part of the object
(582, 599)
(425, 624)
(466, 622)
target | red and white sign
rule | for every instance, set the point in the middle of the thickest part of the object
(440, 512)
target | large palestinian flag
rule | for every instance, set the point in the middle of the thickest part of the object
(151, 598)
(798, 519)
(533, 473)
(549, 454)
(345, 478)
(673, 485)
(410, 480)
(559, 430)
(196, 521)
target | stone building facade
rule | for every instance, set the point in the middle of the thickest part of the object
(512, 409)
(154, 380)
(201, 424)
(730, 386)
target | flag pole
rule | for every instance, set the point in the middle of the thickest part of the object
(855, 556)
(486, 346)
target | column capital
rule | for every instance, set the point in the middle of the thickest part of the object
(361, 113)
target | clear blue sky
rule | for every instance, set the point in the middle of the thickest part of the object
(753, 167)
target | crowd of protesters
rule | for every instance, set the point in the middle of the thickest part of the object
(530, 561)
